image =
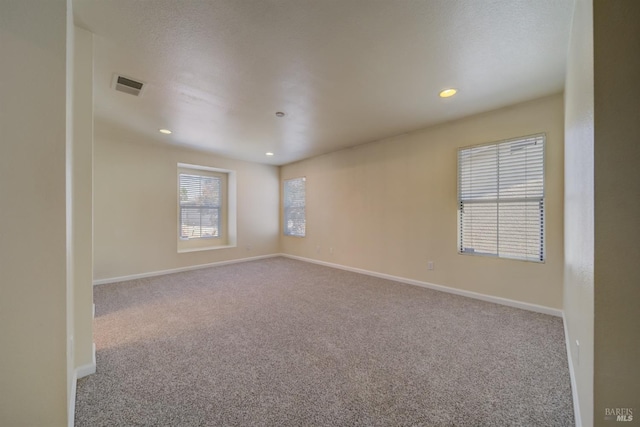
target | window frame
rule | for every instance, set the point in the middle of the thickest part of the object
(505, 201)
(286, 209)
(227, 233)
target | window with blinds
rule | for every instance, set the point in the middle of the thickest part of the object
(501, 199)
(294, 207)
(200, 205)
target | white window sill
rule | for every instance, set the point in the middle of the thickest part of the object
(206, 248)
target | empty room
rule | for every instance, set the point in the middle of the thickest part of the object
(319, 213)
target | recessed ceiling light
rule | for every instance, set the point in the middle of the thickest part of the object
(279, 114)
(165, 131)
(269, 153)
(448, 92)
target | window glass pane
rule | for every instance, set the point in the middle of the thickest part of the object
(200, 202)
(521, 226)
(294, 207)
(521, 168)
(209, 223)
(479, 228)
(478, 172)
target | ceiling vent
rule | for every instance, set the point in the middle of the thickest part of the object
(127, 85)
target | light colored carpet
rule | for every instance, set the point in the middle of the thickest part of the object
(280, 342)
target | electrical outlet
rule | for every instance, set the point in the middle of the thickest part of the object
(318, 249)
(331, 250)
(430, 265)
(248, 247)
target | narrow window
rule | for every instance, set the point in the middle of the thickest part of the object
(294, 207)
(501, 199)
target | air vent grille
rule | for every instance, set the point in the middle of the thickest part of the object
(127, 85)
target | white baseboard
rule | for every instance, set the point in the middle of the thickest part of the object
(71, 410)
(572, 374)
(178, 270)
(489, 298)
(79, 372)
(469, 294)
(89, 368)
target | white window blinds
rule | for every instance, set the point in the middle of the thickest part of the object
(200, 204)
(294, 207)
(501, 199)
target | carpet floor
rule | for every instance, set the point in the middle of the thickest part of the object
(281, 342)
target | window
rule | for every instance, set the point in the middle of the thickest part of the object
(206, 208)
(294, 207)
(501, 199)
(200, 203)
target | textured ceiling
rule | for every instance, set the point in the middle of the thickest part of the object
(345, 72)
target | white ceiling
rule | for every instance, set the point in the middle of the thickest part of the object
(345, 72)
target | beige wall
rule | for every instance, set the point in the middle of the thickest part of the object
(616, 30)
(33, 323)
(390, 206)
(135, 205)
(579, 206)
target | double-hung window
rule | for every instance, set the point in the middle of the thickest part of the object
(200, 206)
(206, 208)
(294, 202)
(501, 205)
